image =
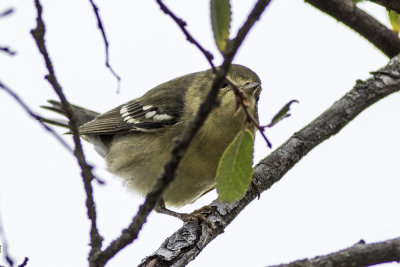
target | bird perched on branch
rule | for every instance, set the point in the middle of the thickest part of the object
(136, 138)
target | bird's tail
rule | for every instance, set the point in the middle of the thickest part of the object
(83, 115)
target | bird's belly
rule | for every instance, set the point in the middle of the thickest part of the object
(194, 176)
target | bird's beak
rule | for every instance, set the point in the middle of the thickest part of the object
(253, 88)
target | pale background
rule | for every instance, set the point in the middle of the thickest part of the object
(345, 190)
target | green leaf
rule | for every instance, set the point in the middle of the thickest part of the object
(357, 1)
(283, 113)
(220, 21)
(235, 169)
(394, 18)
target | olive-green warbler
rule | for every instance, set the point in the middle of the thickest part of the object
(136, 138)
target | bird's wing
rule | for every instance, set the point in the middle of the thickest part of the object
(159, 107)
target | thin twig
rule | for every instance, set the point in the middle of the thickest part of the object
(254, 15)
(6, 12)
(4, 249)
(24, 263)
(185, 244)
(35, 116)
(367, 26)
(359, 255)
(87, 175)
(106, 44)
(7, 50)
(189, 37)
(4, 240)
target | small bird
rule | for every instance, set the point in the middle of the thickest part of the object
(136, 138)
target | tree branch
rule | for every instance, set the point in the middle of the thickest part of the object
(106, 44)
(359, 255)
(254, 15)
(4, 248)
(9, 259)
(389, 4)
(87, 175)
(367, 26)
(24, 263)
(7, 50)
(189, 37)
(185, 244)
(6, 12)
(34, 115)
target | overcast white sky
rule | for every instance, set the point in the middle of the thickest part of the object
(345, 190)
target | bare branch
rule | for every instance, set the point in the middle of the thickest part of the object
(189, 37)
(367, 26)
(103, 33)
(359, 255)
(7, 50)
(242, 100)
(6, 12)
(87, 175)
(192, 238)
(4, 240)
(254, 15)
(389, 4)
(24, 263)
(5, 251)
(35, 116)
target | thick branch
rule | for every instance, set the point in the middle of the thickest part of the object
(367, 26)
(87, 175)
(185, 244)
(389, 4)
(359, 255)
